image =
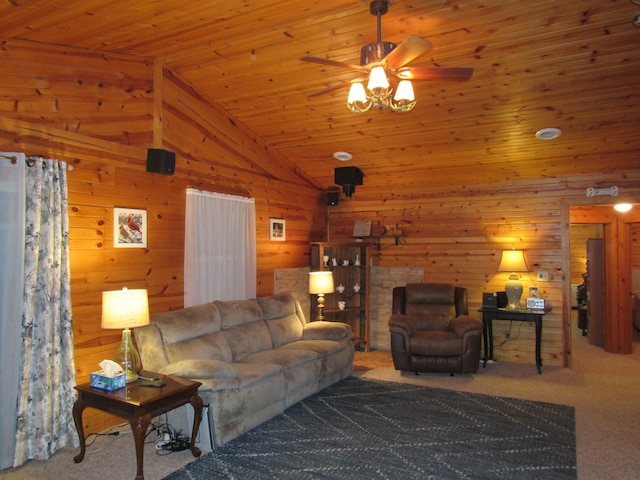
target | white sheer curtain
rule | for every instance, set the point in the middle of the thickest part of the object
(12, 227)
(220, 248)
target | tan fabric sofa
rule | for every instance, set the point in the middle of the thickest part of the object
(255, 358)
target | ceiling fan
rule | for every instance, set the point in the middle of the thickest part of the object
(385, 63)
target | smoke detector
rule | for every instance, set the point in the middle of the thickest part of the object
(342, 156)
(548, 133)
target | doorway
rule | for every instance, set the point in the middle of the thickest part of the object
(618, 231)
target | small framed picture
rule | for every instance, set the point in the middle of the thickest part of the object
(533, 292)
(129, 228)
(362, 228)
(277, 230)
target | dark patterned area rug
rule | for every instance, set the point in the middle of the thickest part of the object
(365, 429)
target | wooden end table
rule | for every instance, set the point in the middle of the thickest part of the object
(139, 405)
(489, 314)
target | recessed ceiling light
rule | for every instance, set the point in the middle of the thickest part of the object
(342, 156)
(548, 133)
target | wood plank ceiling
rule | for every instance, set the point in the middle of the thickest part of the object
(572, 64)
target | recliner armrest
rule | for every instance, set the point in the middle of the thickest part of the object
(464, 324)
(403, 324)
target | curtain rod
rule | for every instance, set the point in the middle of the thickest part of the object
(13, 159)
(30, 160)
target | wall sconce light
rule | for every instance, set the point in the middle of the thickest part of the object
(513, 261)
(319, 284)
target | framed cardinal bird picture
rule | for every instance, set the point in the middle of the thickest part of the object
(129, 228)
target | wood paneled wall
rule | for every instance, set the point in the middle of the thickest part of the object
(456, 234)
(97, 113)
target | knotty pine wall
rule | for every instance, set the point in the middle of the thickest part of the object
(456, 233)
(99, 113)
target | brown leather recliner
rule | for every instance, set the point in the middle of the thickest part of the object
(431, 330)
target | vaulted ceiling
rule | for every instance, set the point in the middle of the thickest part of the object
(572, 64)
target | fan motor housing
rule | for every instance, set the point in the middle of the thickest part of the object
(376, 51)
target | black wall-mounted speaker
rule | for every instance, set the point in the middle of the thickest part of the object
(347, 176)
(161, 161)
(333, 196)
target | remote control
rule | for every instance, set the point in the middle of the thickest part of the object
(155, 384)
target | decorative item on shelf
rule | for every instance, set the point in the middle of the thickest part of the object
(334, 262)
(362, 228)
(356, 287)
(126, 309)
(534, 300)
(319, 284)
(326, 260)
(340, 288)
(357, 261)
(342, 304)
(345, 263)
(513, 261)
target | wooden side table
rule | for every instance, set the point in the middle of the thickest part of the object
(524, 315)
(139, 405)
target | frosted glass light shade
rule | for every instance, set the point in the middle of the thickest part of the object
(404, 91)
(356, 93)
(377, 79)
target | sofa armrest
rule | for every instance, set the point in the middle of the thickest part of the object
(150, 347)
(323, 330)
(198, 369)
(465, 324)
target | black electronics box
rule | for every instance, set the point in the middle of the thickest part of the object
(490, 300)
(502, 299)
(494, 300)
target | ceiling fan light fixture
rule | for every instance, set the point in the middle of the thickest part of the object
(358, 101)
(378, 81)
(404, 91)
(357, 93)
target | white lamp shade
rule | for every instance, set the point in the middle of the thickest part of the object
(404, 91)
(356, 93)
(513, 261)
(321, 282)
(125, 308)
(377, 79)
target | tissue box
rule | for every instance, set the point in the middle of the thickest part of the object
(109, 383)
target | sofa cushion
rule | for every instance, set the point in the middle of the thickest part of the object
(211, 346)
(198, 369)
(191, 322)
(238, 312)
(247, 339)
(279, 313)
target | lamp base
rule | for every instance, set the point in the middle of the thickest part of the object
(127, 357)
(513, 289)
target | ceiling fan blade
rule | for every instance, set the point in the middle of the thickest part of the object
(336, 87)
(434, 73)
(410, 49)
(333, 63)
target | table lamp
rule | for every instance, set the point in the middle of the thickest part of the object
(513, 261)
(126, 309)
(319, 284)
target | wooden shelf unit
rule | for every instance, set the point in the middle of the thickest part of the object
(356, 311)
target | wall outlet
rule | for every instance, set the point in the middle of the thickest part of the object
(543, 276)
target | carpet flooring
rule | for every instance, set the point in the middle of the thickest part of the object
(366, 429)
